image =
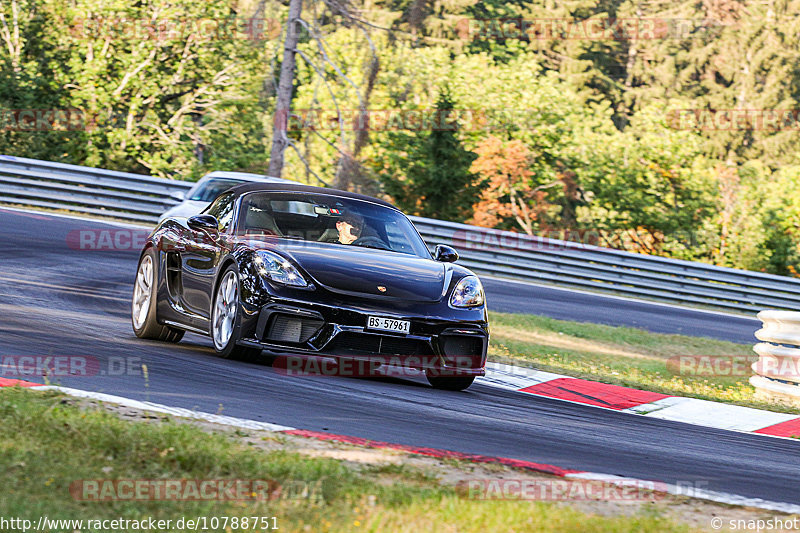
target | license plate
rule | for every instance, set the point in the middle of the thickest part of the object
(388, 324)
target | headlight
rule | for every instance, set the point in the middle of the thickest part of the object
(278, 269)
(468, 293)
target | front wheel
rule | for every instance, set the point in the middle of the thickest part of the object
(449, 383)
(144, 302)
(225, 318)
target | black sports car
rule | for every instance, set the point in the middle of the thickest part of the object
(306, 271)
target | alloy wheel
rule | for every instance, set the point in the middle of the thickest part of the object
(225, 307)
(142, 292)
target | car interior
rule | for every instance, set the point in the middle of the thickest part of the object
(314, 221)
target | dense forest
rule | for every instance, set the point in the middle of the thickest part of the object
(666, 127)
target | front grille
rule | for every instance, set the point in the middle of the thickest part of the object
(295, 329)
(404, 346)
(354, 342)
(349, 343)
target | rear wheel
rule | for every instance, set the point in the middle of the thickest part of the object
(143, 306)
(226, 317)
(449, 383)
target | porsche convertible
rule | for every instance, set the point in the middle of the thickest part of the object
(282, 269)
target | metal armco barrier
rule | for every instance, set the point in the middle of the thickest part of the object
(777, 373)
(86, 190)
(141, 198)
(520, 256)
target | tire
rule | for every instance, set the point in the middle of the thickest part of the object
(450, 383)
(226, 316)
(143, 303)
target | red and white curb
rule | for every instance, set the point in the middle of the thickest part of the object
(645, 403)
(677, 490)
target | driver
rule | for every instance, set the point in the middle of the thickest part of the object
(350, 225)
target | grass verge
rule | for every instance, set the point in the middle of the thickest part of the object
(629, 357)
(48, 443)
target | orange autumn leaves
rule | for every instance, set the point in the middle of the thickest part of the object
(508, 191)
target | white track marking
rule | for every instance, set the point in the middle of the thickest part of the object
(691, 491)
(175, 411)
(678, 490)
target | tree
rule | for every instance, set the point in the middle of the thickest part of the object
(651, 187)
(508, 194)
(158, 94)
(438, 181)
(285, 85)
(317, 56)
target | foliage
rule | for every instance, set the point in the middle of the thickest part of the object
(160, 97)
(437, 181)
(508, 193)
(585, 124)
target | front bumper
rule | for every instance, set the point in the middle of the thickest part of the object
(438, 342)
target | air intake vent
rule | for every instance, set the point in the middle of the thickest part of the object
(294, 329)
(362, 344)
(462, 345)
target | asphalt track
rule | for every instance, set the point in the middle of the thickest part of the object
(56, 300)
(517, 297)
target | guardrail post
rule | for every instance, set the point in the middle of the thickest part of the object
(777, 373)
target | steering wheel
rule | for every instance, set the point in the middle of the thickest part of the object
(371, 241)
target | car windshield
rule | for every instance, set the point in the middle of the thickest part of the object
(329, 219)
(209, 190)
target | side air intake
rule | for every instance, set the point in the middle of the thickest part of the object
(293, 329)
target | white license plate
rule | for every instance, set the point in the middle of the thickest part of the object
(388, 324)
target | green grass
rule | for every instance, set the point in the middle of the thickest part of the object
(47, 443)
(621, 356)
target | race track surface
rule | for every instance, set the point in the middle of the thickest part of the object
(57, 300)
(517, 297)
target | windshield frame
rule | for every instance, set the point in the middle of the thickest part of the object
(238, 226)
(202, 186)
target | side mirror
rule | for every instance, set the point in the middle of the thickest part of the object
(207, 223)
(445, 254)
(178, 195)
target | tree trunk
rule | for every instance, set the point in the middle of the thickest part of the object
(349, 170)
(284, 97)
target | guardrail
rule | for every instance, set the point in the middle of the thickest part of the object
(777, 372)
(86, 190)
(580, 265)
(141, 198)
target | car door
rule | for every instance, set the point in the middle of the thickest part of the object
(200, 257)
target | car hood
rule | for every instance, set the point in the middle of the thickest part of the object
(356, 270)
